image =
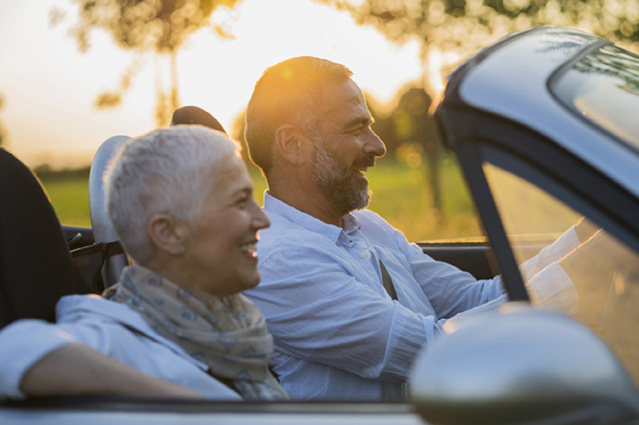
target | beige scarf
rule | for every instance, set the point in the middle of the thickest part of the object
(228, 334)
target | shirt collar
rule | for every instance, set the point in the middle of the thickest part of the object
(272, 205)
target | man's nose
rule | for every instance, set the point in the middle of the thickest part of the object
(374, 145)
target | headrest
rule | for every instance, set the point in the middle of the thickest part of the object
(195, 115)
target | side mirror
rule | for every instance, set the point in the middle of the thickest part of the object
(521, 366)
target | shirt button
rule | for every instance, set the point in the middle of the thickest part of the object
(362, 254)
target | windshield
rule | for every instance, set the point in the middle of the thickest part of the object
(603, 87)
(570, 264)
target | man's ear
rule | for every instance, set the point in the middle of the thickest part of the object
(293, 144)
(168, 233)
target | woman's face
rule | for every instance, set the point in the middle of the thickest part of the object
(220, 250)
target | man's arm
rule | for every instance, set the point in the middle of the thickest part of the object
(75, 369)
(319, 312)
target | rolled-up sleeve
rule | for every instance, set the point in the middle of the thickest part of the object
(450, 291)
(550, 254)
(22, 345)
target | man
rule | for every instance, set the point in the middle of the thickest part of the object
(349, 301)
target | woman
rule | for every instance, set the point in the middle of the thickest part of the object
(181, 202)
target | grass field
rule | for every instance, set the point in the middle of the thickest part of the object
(70, 199)
(400, 195)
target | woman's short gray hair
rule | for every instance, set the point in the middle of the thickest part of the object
(167, 171)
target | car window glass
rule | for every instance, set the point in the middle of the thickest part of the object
(603, 272)
(603, 87)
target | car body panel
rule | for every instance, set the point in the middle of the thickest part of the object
(109, 411)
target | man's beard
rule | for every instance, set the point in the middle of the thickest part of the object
(341, 185)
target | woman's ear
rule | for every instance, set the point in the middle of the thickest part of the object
(293, 144)
(168, 233)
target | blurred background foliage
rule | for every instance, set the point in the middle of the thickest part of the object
(463, 26)
(418, 187)
(446, 30)
(149, 28)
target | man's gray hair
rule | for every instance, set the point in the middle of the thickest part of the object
(288, 92)
(167, 171)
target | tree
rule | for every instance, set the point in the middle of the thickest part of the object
(159, 27)
(415, 125)
(459, 27)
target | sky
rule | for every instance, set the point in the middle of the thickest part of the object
(49, 87)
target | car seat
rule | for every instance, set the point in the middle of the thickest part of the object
(193, 115)
(103, 233)
(36, 268)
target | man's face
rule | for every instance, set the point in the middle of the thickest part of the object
(345, 146)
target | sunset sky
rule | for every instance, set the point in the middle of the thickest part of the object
(49, 87)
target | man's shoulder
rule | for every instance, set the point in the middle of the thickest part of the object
(286, 232)
(282, 228)
(371, 221)
(299, 231)
(367, 215)
(288, 242)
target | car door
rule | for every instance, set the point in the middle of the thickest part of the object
(529, 192)
(537, 171)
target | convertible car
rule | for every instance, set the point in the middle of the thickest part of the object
(545, 125)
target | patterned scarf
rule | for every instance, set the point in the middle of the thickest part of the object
(228, 334)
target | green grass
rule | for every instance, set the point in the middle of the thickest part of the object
(400, 194)
(70, 199)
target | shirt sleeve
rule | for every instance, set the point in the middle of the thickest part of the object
(22, 345)
(25, 342)
(552, 289)
(317, 311)
(550, 254)
(451, 291)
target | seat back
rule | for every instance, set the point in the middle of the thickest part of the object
(35, 266)
(103, 231)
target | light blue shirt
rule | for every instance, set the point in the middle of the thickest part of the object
(111, 328)
(338, 334)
